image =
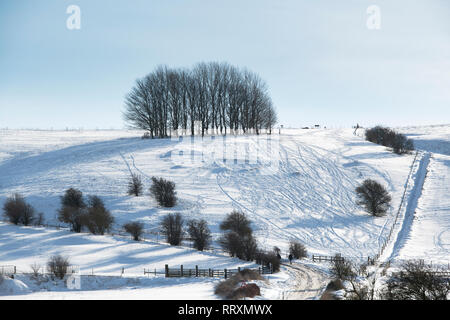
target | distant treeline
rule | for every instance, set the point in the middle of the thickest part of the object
(212, 95)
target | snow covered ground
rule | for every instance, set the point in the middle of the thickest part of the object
(296, 186)
(300, 187)
(429, 235)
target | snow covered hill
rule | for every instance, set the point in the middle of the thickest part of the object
(295, 186)
(299, 186)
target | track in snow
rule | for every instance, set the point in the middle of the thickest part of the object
(308, 283)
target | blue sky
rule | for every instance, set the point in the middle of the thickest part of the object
(320, 61)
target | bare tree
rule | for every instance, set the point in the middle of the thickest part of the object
(72, 209)
(238, 238)
(416, 281)
(97, 219)
(135, 229)
(17, 210)
(172, 228)
(297, 250)
(199, 232)
(58, 265)
(374, 197)
(135, 185)
(164, 192)
(237, 222)
(218, 95)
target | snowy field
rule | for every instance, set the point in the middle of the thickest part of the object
(296, 186)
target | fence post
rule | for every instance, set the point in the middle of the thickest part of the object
(239, 269)
(209, 272)
(225, 273)
(181, 270)
(196, 271)
(15, 269)
(167, 270)
(259, 270)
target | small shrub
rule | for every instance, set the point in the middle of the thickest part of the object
(342, 268)
(172, 228)
(135, 186)
(237, 222)
(387, 137)
(199, 233)
(135, 229)
(73, 198)
(416, 281)
(72, 209)
(268, 259)
(238, 240)
(35, 267)
(57, 265)
(97, 219)
(243, 247)
(164, 192)
(374, 197)
(75, 217)
(297, 250)
(18, 211)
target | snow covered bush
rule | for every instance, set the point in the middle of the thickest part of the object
(172, 228)
(164, 192)
(135, 229)
(297, 250)
(199, 233)
(135, 185)
(18, 211)
(374, 197)
(58, 265)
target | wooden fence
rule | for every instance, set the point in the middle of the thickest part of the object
(318, 258)
(212, 273)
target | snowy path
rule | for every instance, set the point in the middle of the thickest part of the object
(404, 228)
(309, 283)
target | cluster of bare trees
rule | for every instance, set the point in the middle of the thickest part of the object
(214, 96)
